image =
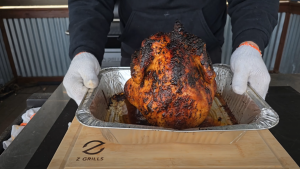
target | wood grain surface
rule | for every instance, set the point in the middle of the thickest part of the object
(84, 147)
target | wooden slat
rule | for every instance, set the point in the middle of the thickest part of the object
(295, 8)
(290, 7)
(282, 43)
(25, 80)
(32, 2)
(63, 12)
(35, 13)
(7, 47)
(284, 7)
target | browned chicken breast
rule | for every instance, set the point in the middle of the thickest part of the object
(173, 81)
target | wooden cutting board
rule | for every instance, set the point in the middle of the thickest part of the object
(84, 147)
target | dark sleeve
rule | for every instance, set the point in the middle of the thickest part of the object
(89, 25)
(253, 20)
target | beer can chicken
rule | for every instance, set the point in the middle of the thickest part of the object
(172, 79)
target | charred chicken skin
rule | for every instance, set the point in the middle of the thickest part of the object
(172, 80)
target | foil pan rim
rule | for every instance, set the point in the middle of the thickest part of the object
(85, 117)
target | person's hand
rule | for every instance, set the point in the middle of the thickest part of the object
(82, 74)
(247, 65)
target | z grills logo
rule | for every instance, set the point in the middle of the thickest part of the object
(92, 151)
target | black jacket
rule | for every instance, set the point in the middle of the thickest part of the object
(252, 20)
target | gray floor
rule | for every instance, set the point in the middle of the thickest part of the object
(14, 105)
(292, 80)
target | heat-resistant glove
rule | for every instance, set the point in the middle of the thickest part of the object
(82, 74)
(247, 65)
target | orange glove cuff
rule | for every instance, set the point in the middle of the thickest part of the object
(80, 53)
(24, 124)
(248, 44)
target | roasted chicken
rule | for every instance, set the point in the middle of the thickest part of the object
(172, 79)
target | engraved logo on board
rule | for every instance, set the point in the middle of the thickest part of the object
(91, 151)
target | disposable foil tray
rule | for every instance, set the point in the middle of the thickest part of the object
(249, 109)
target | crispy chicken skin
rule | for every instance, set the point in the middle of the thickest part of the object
(173, 81)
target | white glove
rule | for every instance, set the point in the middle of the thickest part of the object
(82, 74)
(15, 131)
(247, 65)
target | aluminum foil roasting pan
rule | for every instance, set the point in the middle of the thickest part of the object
(249, 109)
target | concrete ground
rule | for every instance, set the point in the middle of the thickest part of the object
(292, 80)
